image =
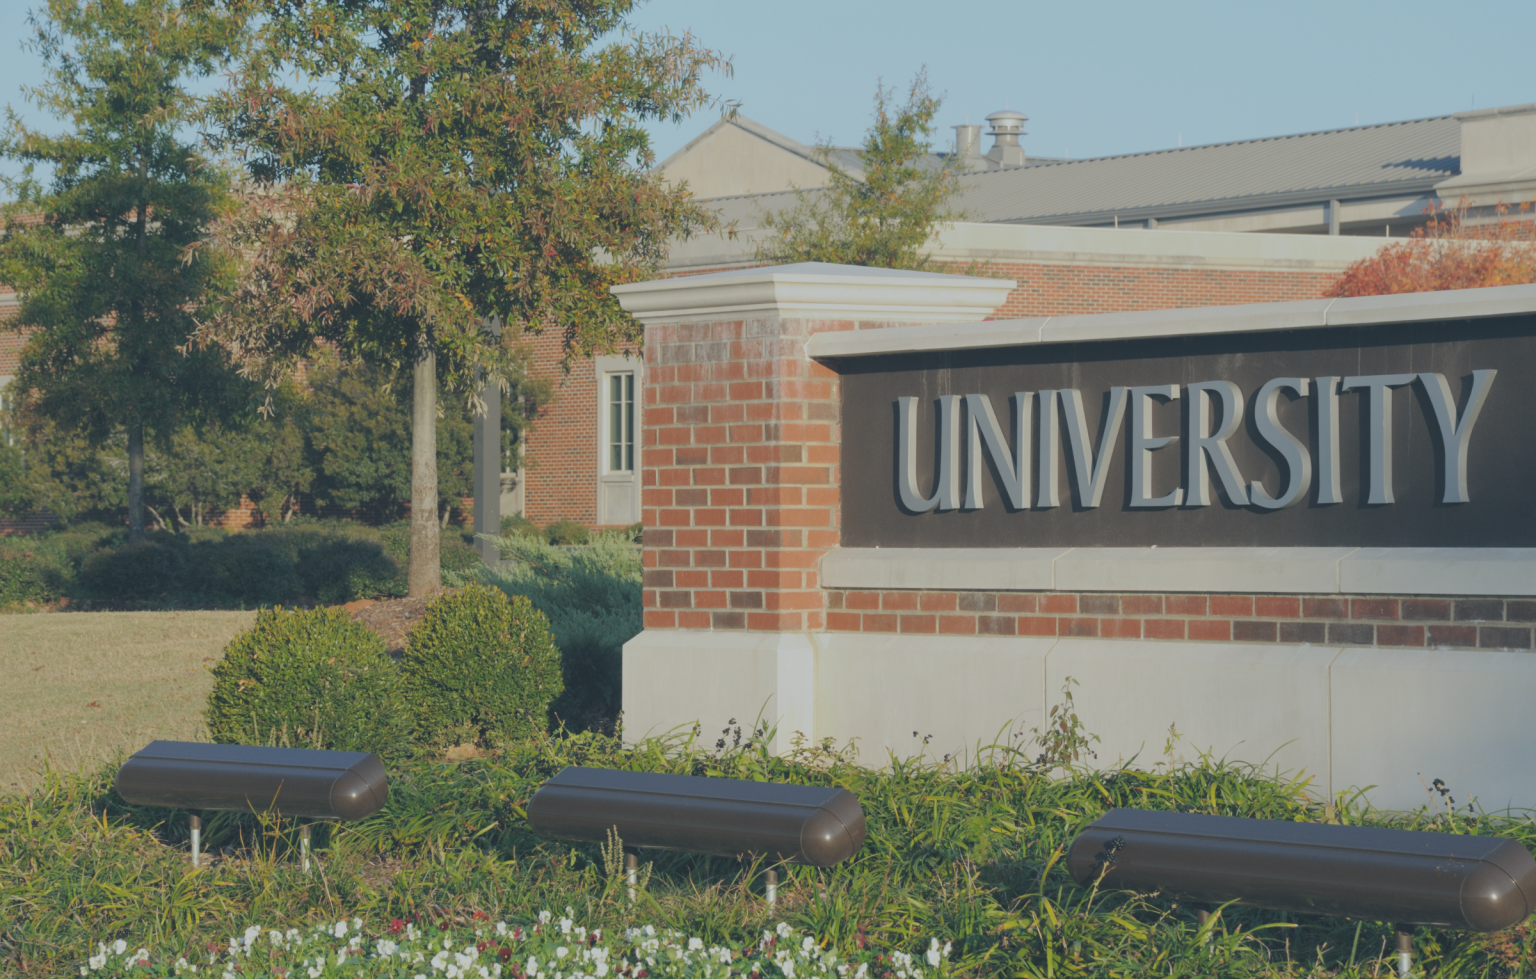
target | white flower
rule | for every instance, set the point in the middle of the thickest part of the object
(863, 971)
(565, 926)
(501, 927)
(561, 952)
(533, 966)
(340, 930)
(119, 947)
(934, 955)
(544, 917)
(783, 930)
(694, 944)
(806, 945)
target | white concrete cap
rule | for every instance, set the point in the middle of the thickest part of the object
(1283, 570)
(1439, 571)
(922, 338)
(1172, 570)
(1202, 321)
(947, 568)
(815, 290)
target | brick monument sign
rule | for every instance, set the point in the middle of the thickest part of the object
(1296, 531)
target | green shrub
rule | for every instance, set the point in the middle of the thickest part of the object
(33, 570)
(566, 532)
(150, 570)
(591, 596)
(82, 539)
(457, 555)
(308, 679)
(480, 668)
(340, 571)
(241, 570)
(517, 525)
(635, 532)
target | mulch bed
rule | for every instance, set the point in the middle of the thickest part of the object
(391, 618)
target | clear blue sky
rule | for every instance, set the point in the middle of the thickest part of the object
(1095, 78)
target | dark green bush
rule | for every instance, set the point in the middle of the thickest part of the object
(150, 570)
(240, 570)
(566, 532)
(82, 539)
(308, 679)
(480, 668)
(33, 570)
(340, 571)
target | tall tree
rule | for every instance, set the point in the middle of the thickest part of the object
(883, 217)
(460, 159)
(106, 290)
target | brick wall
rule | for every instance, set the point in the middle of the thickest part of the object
(1360, 620)
(740, 475)
(561, 480)
(1066, 290)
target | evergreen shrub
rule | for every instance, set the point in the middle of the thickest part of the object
(240, 570)
(32, 571)
(567, 532)
(309, 679)
(517, 525)
(149, 570)
(592, 598)
(480, 668)
(339, 571)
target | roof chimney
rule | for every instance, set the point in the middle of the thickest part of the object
(968, 146)
(1007, 127)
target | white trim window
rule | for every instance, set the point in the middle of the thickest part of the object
(618, 440)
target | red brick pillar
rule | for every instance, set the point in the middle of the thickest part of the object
(740, 465)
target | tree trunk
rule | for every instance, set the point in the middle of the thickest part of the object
(424, 576)
(136, 481)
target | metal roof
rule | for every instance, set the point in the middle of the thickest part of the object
(1359, 162)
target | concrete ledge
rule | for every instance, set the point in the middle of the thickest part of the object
(1252, 318)
(815, 290)
(949, 568)
(1258, 570)
(1282, 570)
(1451, 571)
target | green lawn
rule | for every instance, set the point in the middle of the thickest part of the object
(81, 687)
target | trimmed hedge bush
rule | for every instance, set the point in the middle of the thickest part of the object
(32, 572)
(567, 532)
(241, 571)
(480, 668)
(145, 571)
(309, 679)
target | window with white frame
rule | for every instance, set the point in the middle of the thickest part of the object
(618, 479)
(621, 422)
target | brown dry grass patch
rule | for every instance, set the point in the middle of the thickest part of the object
(80, 688)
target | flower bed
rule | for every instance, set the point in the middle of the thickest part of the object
(548, 948)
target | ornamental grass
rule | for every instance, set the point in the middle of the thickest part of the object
(966, 853)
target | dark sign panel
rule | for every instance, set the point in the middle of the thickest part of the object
(1409, 435)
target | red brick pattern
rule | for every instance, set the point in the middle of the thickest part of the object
(740, 475)
(1068, 290)
(1474, 623)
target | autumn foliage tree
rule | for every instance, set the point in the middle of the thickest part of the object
(1448, 252)
(453, 160)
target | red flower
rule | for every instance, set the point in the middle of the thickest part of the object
(481, 946)
(442, 926)
(482, 916)
(396, 926)
(504, 954)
